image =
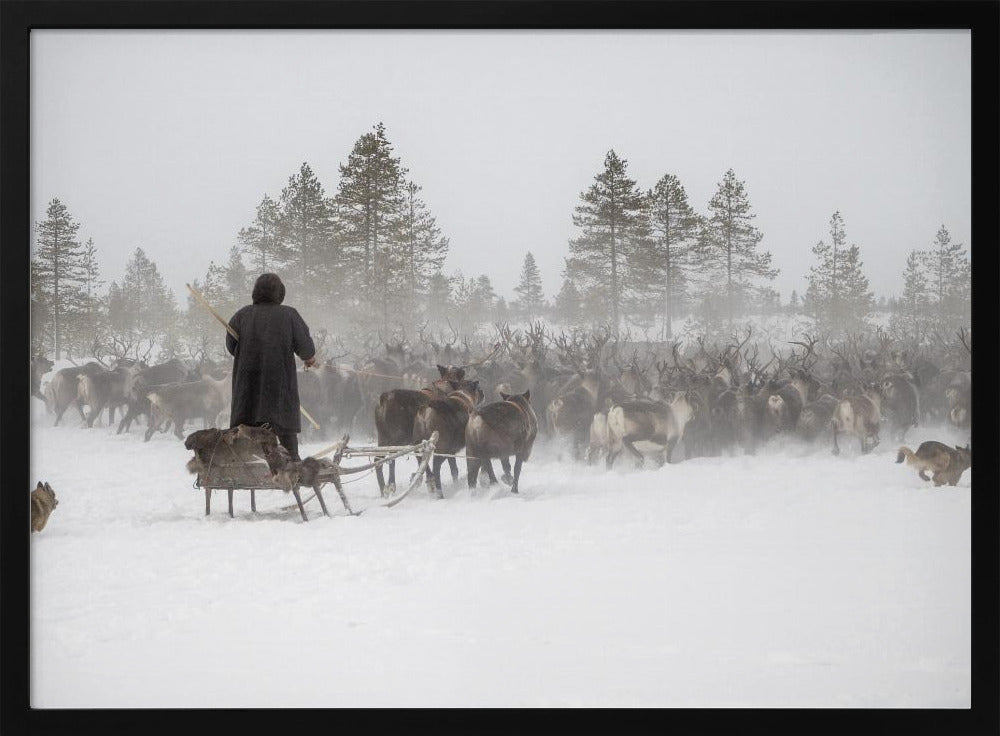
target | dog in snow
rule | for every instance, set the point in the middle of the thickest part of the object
(43, 503)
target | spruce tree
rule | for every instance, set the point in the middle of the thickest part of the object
(568, 305)
(371, 205)
(58, 271)
(910, 320)
(838, 296)
(88, 321)
(728, 249)
(530, 298)
(142, 307)
(305, 235)
(950, 283)
(611, 217)
(261, 241)
(673, 234)
(439, 303)
(423, 248)
(793, 303)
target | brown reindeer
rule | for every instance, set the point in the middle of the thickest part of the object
(900, 403)
(40, 365)
(103, 390)
(860, 416)
(448, 417)
(816, 416)
(396, 412)
(657, 422)
(63, 389)
(180, 402)
(499, 430)
(945, 462)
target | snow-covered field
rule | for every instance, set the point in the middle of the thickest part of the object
(789, 579)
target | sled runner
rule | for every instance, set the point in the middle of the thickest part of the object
(230, 460)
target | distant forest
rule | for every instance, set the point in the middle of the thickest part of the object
(368, 258)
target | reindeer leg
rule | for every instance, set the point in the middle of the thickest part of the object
(126, 417)
(453, 464)
(488, 465)
(671, 443)
(836, 447)
(627, 441)
(506, 477)
(438, 462)
(609, 459)
(472, 471)
(79, 408)
(923, 474)
(517, 473)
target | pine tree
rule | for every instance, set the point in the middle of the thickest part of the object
(58, 272)
(261, 240)
(306, 238)
(568, 305)
(530, 298)
(910, 318)
(424, 249)
(673, 234)
(794, 307)
(88, 321)
(371, 205)
(728, 252)
(838, 295)
(611, 217)
(950, 283)
(142, 307)
(438, 299)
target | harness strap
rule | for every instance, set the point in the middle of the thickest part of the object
(519, 408)
(465, 400)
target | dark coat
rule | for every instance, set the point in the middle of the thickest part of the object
(265, 388)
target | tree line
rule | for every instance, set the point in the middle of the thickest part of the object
(369, 257)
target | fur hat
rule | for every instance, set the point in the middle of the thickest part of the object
(268, 289)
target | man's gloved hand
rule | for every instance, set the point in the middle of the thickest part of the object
(311, 362)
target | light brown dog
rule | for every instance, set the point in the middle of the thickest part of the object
(946, 463)
(43, 502)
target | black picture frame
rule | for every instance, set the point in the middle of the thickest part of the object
(18, 18)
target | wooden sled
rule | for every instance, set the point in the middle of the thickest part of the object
(255, 476)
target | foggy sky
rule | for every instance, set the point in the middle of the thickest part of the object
(168, 140)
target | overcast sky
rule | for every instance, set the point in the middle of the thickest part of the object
(169, 140)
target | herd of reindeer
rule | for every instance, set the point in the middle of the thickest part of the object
(594, 394)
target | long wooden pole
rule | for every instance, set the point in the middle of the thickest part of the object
(201, 300)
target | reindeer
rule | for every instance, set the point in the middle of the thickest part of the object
(63, 389)
(140, 379)
(815, 417)
(100, 390)
(571, 412)
(860, 416)
(397, 411)
(499, 430)
(40, 365)
(657, 422)
(900, 403)
(448, 417)
(179, 402)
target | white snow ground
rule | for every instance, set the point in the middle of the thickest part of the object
(789, 579)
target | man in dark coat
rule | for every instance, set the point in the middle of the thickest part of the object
(265, 388)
